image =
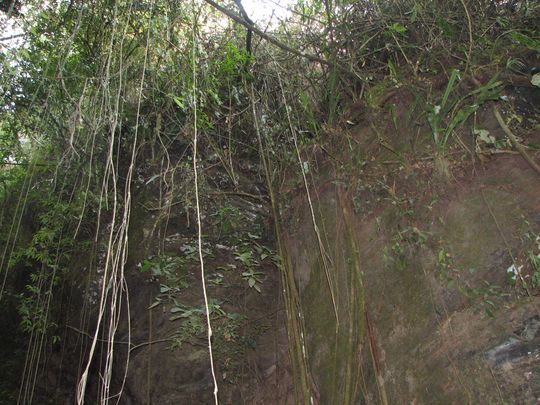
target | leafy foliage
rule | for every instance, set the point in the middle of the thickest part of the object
(101, 95)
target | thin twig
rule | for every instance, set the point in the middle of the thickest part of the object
(519, 147)
(239, 194)
(496, 383)
(131, 345)
(26, 164)
(469, 24)
(12, 37)
(150, 342)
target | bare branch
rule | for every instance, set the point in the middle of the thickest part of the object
(12, 37)
(265, 36)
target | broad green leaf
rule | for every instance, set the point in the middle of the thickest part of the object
(397, 28)
(532, 44)
(163, 288)
(484, 136)
(179, 102)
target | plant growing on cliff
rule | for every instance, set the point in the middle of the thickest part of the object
(449, 113)
(533, 255)
(253, 278)
(101, 94)
(192, 326)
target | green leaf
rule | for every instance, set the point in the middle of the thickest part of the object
(178, 101)
(245, 258)
(164, 288)
(441, 255)
(234, 316)
(397, 28)
(490, 303)
(484, 136)
(251, 282)
(414, 13)
(535, 80)
(532, 44)
(449, 87)
(448, 30)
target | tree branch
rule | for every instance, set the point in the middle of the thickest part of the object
(24, 164)
(12, 37)
(519, 147)
(265, 36)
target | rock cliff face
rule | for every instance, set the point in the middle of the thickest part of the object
(161, 351)
(428, 292)
(418, 280)
(415, 276)
(168, 355)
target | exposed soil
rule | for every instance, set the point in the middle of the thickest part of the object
(249, 328)
(427, 293)
(439, 315)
